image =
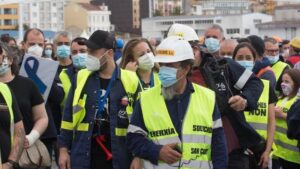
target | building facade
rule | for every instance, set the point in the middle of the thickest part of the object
(126, 15)
(9, 16)
(220, 7)
(286, 23)
(89, 18)
(44, 14)
(244, 24)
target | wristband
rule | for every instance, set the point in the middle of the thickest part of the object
(32, 137)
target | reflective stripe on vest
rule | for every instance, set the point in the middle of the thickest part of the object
(286, 148)
(5, 91)
(196, 128)
(130, 84)
(66, 84)
(278, 68)
(239, 85)
(258, 118)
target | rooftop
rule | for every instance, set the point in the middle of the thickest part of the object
(279, 24)
(91, 7)
(289, 6)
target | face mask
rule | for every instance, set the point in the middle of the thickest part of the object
(35, 50)
(146, 62)
(228, 56)
(273, 59)
(167, 76)
(4, 67)
(63, 51)
(246, 64)
(48, 53)
(212, 44)
(93, 63)
(79, 60)
(286, 89)
(286, 52)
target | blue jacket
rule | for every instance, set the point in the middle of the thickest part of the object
(293, 121)
(79, 143)
(224, 83)
(146, 149)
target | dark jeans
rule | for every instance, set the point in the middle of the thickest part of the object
(277, 163)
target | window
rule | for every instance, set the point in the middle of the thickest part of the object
(218, 21)
(7, 11)
(54, 15)
(233, 31)
(102, 18)
(204, 21)
(34, 4)
(7, 22)
(34, 14)
(167, 23)
(34, 25)
(54, 4)
(256, 21)
(247, 31)
(184, 22)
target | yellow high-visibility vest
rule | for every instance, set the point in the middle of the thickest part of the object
(196, 128)
(66, 83)
(286, 148)
(258, 118)
(6, 93)
(130, 84)
(278, 68)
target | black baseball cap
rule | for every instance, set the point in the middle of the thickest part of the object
(101, 39)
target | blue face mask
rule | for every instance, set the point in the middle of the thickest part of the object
(167, 76)
(79, 60)
(212, 44)
(246, 64)
(48, 53)
(63, 51)
(273, 59)
(4, 67)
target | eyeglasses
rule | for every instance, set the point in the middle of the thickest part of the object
(272, 50)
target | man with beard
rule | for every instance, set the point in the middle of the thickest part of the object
(177, 124)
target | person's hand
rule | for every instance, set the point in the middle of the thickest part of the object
(136, 163)
(237, 103)
(279, 112)
(7, 166)
(64, 159)
(131, 66)
(264, 160)
(168, 154)
(26, 143)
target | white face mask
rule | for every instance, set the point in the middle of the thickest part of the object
(93, 63)
(35, 50)
(146, 62)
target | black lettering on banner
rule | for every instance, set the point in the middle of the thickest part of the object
(202, 128)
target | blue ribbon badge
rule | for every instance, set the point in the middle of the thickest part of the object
(32, 73)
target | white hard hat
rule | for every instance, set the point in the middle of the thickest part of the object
(173, 49)
(188, 33)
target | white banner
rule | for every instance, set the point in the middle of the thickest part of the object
(41, 70)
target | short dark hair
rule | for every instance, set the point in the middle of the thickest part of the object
(30, 30)
(258, 44)
(271, 40)
(284, 42)
(244, 45)
(80, 40)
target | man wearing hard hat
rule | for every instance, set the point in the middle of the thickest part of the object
(294, 52)
(177, 125)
